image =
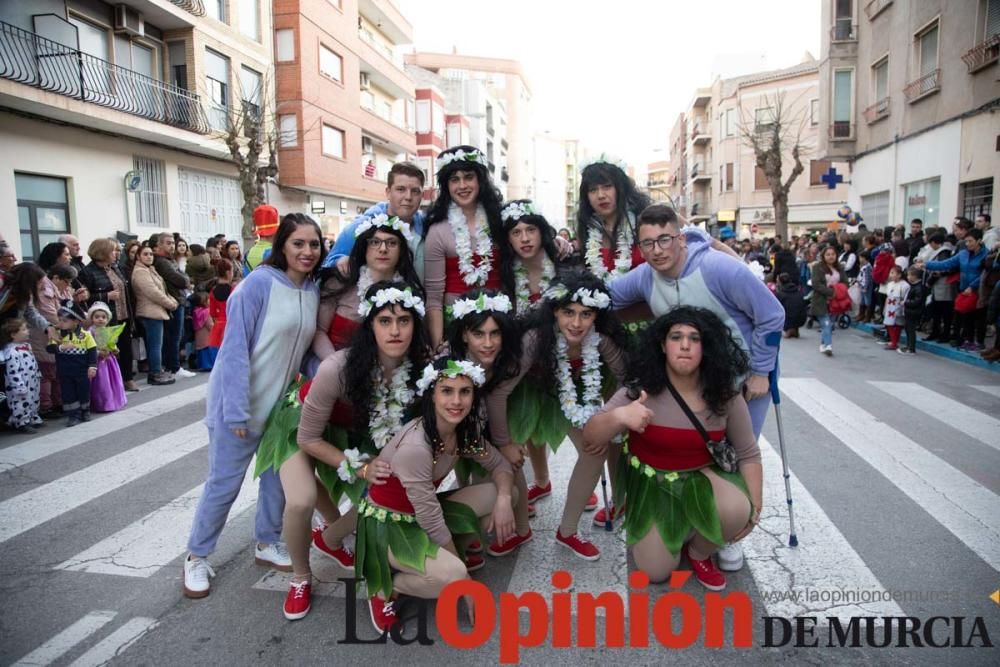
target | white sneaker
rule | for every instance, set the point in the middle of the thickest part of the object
(828, 350)
(273, 555)
(196, 574)
(731, 557)
(184, 373)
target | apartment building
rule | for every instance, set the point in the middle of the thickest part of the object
(346, 108)
(574, 156)
(111, 115)
(505, 81)
(910, 97)
(716, 180)
(658, 180)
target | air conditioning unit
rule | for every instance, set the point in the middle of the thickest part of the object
(365, 81)
(366, 145)
(129, 21)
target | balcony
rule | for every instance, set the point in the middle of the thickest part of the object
(922, 87)
(700, 172)
(875, 7)
(698, 209)
(196, 7)
(844, 31)
(877, 111)
(41, 63)
(387, 17)
(505, 176)
(841, 130)
(982, 54)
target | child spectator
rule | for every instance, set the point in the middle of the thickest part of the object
(790, 296)
(866, 285)
(76, 364)
(896, 290)
(23, 379)
(913, 308)
(217, 307)
(202, 324)
(107, 393)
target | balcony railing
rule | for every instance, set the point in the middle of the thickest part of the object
(982, 54)
(844, 31)
(875, 7)
(877, 111)
(196, 7)
(841, 130)
(925, 85)
(42, 63)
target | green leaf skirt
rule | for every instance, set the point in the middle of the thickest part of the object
(534, 415)
(675, 502)
(381, 529)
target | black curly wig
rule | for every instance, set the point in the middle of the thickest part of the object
(547, 233)
(723, 361)
(508, 361)
(359, 258)
(627, 199)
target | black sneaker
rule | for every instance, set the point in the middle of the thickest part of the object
(85, 416)
(159, 379)
(27, 428)
(72, 420)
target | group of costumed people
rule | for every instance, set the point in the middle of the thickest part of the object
(373, 375)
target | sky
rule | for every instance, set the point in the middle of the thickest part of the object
(615, 74)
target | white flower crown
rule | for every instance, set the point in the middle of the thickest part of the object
(392, 295)
(472, 156)
(590, 298)
(454, 368)
(605, 158)
(517, 210)
(383, 220)
(499, 304)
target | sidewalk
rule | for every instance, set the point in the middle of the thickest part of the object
(940, 349)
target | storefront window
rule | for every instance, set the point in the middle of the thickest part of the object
(922, 201)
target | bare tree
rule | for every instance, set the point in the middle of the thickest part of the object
(778, 133)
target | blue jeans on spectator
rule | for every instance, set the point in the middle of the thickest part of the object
(826, 330)
(154, 343)
(172, 331)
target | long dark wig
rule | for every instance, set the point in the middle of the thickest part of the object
(362, 357)
(359, 258)
(543, 320)
(489, 195)
(547, 233)
(723, 361)
(627, 199)
(508, 361)
(469, 432)
(288, 225)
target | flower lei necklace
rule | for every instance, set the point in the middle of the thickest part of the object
(623, 256)
(472, 275)
(365, 281)
(522, 288)
(390, 401)
(592, 401)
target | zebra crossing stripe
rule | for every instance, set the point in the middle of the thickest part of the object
(116, 643)
(46, 502)
(142, 548)
(960, 417)
(62, 439)
(62, 643)
(988, 388)
(810, 579)
(962, 505)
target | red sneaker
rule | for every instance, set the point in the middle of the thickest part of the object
(383, 613)
(581, 547)
(602, 515)
(536, 492)
(706, 572)
(591, 503)
(510, 546)
(474, 562)
(474, 548)
(531, 511)
(297, 603)
(343, 555)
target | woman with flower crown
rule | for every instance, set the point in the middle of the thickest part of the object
(351, 409)
(575, 346)
(404, 524)
(461, 233)
(381, 251)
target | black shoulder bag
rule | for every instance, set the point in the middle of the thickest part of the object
(721, 450)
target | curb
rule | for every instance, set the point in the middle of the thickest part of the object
(946, 351)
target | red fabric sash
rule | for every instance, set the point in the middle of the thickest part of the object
(341, 331)
(392, 495)
(453, 283)
(668, 448)
(342, 413)
(534, 298)
(608, 255)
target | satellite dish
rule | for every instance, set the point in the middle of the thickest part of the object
(133, 181)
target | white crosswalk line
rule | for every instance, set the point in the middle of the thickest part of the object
(957, 415)
(810, 579)
(62, 643)
(44, 503)
(116, 643)
(965, 507)
(62, 439)
(142, 548)
(988, 388)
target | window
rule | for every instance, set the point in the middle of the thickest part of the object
(216, 9)
(437, 118)
(151, 200)
(177, 54)
(927, 48)
(251, 84)
(760, 179)
(288, 130)
(333, 141)
(367, 100)
(992, 19)
(331, 64)
(977, 197)
(816, 170)
(423, 116)
(843, 103)
(411, 114)
(217, 86)
(814, 112)
(843, 20)
(42, 211)
(284, 44)
(764, 119)
(93, 40)
(249, 19)
(922, 201)
(880, 79)
(726, 174)
(875, 208)
(730, 122)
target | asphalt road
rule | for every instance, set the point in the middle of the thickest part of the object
(895, 479)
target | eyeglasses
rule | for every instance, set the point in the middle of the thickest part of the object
(390, 244)
(664, 241)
